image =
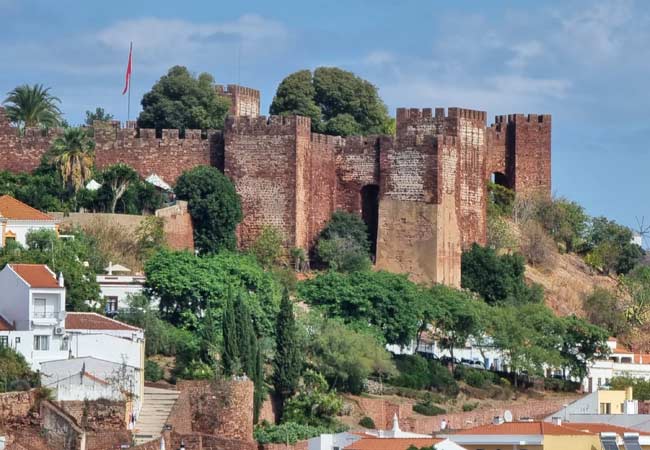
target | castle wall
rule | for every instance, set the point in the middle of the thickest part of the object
(244, 101)
(321, 189)
(357, 165)
(168, 156)
(260, 159)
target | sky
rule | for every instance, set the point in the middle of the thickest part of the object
(585, 62)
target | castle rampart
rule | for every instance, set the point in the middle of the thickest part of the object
(422, 192)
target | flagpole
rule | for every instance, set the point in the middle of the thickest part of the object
(128, 108)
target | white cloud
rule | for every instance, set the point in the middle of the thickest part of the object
(524, 53)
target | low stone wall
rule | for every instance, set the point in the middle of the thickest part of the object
(198, 441)
(16, 404)
(300, 445)
(104, 440)
(382, 412)
(97, 415)
(60, 429)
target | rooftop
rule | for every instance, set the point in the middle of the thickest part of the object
(94, 321)
(4, 325)
(10, 208)
(524, 428)
(375, 443)
(597, 428)
(36, 275)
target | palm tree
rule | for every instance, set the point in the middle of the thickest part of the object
(73, 154)
(32, 106)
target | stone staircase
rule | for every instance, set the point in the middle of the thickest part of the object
(156, 406)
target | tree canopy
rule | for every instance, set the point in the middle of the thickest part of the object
(181, 100)
(337, 101)
(32, 106)
(214, 205)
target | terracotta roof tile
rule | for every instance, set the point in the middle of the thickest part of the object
(36, 275)
(602, 428)
(524, 428)
(374, 443)
(4, 325)
(94, 321)
(10, 208)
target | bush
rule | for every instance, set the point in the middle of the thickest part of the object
(501, 199)
(499, 234)
(536, 246)
(152, 371)
(15, 373)
(604, 309)
(480, 379)
(367, 422)
(343, 244)
(469, 406)
(556, 385)
(415, 372)
(267, 248)
(290, 432)
(428, 409)
(497, 278)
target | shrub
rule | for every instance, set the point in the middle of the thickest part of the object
(499, 235)
(416, 372)
(267, 248)
(427, 409)
(501, 199)
(152, 371)
(290, 432)
(343, 244)
(469, 406)
(15, 373)
(480, 379)
(367, 422)
(536, 246)
(604, 309)
(555, 385)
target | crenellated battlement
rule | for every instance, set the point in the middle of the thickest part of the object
(326, 139)
(114, 130)
(520, 118)
(235, 89)
(268, 125)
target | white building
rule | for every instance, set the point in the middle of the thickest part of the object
(34, 322)
(117, 285)
(621, 362)
(17, 219)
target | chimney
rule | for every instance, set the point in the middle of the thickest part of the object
(557, 420)
(61, 281)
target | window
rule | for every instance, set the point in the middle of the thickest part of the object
(39, 307)
(605, 408)
(41, 343)
(64, 344)
(17, 340)
(4, 341)
(111, 304)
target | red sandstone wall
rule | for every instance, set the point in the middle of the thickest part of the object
(321, 187)
(357, 165)
(177, 225)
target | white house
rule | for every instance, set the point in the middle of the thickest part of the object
(117, 284)
(34, 322)
(17, 219)
(620, 362)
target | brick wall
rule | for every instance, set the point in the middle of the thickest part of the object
(60, 429)
(97, 415)
(177, 225)
(105, 440)
(300, 445)
(357, 165)
(16, 404)
(244, 101)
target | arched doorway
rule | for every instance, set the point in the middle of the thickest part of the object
(370, 213)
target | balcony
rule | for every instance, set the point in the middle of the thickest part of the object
(47, 317)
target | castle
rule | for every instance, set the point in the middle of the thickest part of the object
(422, 192)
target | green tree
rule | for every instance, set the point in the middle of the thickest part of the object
(288, 361)
(564, 220)
(609, 247)
(73, 154)
(497, 278)
(389, 302)
(230, 354)
(336, 100)
(117, 178)
(606, 310)
(636, 287)
(15, 373)
(214, 205)
(344, 356)
(32, 106)
(188, 285)
(343, 244)
(582, 343)
(314, 405)
(99, 114)
(180, 100)
(267, 248)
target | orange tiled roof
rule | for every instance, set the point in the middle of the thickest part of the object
(525, 428)
(94, 321)
(4, 325)
(10, 208)
(36, 275)
(597, 428)
(375, 443)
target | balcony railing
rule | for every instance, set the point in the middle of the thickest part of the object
(46, 315)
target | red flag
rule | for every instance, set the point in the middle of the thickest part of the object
(127, 80)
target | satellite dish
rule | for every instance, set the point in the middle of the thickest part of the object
(507, 416)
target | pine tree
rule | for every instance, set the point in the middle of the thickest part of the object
(260, 389)
(246, 338)
(287, 366)
(230, 356)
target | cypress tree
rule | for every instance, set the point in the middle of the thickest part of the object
(230, 356)
(246, 338)
(287, 366)
(258, 379)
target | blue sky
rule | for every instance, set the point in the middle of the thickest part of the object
(585, 62)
